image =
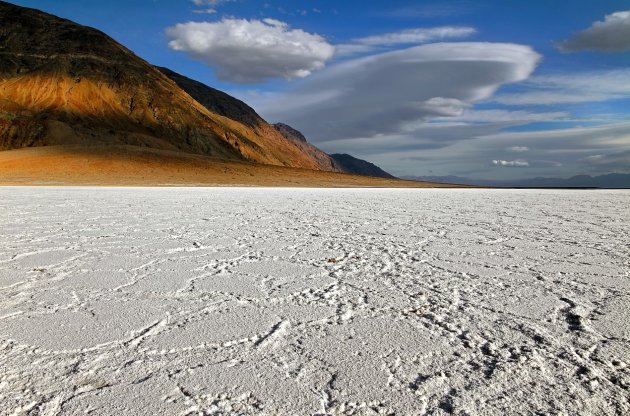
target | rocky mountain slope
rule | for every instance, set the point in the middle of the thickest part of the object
(223, 104)
(337, 162)
(66, 84)
(290, 133)
(300, 141)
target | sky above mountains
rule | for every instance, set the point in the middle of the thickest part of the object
(482, 89)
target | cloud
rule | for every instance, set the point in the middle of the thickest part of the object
(441, 9)
(209, 10)
(408, 37)
(380, 94)
(518, 149)
(567, 88)
(419, 35)
(347, 49)
(513, 118)
(466, 148)
(210, 6)
(580, 139)
(511, 163)
(251, 51)
(212, 3)
(616, 161)
(610, 35)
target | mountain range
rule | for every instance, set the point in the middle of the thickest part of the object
(610, 181)
(64, 84)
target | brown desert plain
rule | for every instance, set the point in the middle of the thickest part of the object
(136, 166)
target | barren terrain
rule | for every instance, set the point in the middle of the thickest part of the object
(259, 301)
(138, 166)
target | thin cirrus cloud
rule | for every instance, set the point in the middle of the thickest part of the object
(209, 10)
(594, 86)
(380, 94)
(610, 35)
(209, 6)
(251, 51)
(403, 37)
(518, 149)
(432, 10)
(419, 35)
(616, 160)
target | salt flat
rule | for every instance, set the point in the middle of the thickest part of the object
(217, 301)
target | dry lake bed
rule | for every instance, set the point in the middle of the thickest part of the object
(237, 301)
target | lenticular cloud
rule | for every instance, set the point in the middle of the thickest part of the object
(380, 94)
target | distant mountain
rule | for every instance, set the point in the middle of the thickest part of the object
(66, 84)
(289, 132)
(351, 164)
(337, 162)
(611, 181)
(300, 141)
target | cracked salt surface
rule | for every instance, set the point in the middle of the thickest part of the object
(301, 302)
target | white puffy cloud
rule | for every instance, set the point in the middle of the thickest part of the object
(380, 94)
(567, 88)
(251, 51)
(610, 35)
(519, 163)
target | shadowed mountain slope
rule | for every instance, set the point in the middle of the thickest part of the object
(215, 100)
(66, 84)
(336, 162)
(351, 164)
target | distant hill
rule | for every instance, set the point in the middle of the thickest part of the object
(351, 164)
(66, 84)
(611, 181)
(337, 162)
(300, 141)
(289, 132)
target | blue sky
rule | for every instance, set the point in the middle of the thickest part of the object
(483, 89)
